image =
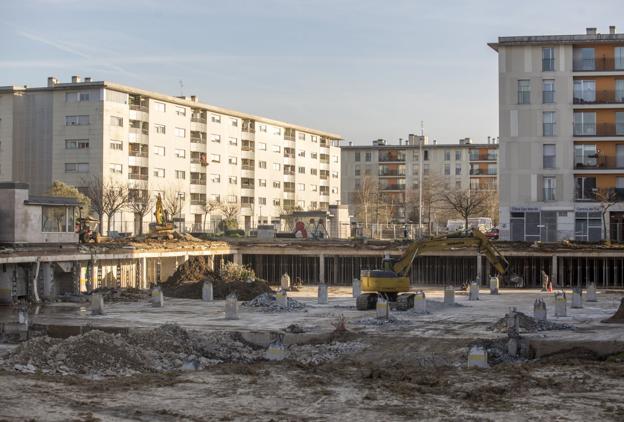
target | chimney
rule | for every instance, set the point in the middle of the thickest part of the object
(591, 31)
(489, 138)
(612, 29)
(435, 141)
(194, 98)
(75, 79)
(400, 141)
(52, 81)
(87, 79)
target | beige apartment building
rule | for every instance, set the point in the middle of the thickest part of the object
(561, 114)
(156, 143)
(395, 170)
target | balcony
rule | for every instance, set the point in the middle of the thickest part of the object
(289, 172)
(198, 181)
(137, 176)
(481, 172)
(599, 163)
(391, 156)
(139, 107)
(391, 172)
(600, 97)
(198, 119)
(143, 154)
(602, 129)
(139, 131)
(198, 140)
(392, 186)
(599, 64)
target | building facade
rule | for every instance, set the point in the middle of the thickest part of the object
(395, 170)
(156, 143)
(561, 114)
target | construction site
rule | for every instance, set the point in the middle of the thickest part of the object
(453, 328)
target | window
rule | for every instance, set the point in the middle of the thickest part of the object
(160, 106)
(549, 123)
(585, 188)
(458, 155)
(76, 97)
(180, 111)
(180, 132)
(301, 136)
(314, 188)
(233, 141)
(180, 153)
(619, 90)
(276, 166)
(301, 170)
(215, 178)
(262, 128)
(116, 145)
(334, 190)
(76, 167)
(314, 156)
(334, 174)
(262, 183)
(313, 172)
(301, 187)
(159, 172)
(57, 219)
(458, 184)
(277, 131)
(426, 169)
(232, 160)
(585, 155)
(262, 146)
(447, 155)
(231, 199)
(458, 168)
(447, 169)
(619, 123)
(180, 174)
(314, 138)
(549, 156)
(262, 164)
(276, 148)
(76, 144)
(357, 170)
(334, 159)
(301, 204)
(215, 197)
(584, 91)
(215, 138)
(215, 118)
(215, 158)
(584, 123)
(548, 95)
(116, 121)
(357, 156)
(159, 151)
(369, 156)
(80, 120)
(276, 202)
(524, 91)
(277, 185)
(160, 129)
(262, 201)
(587, 59)
(301, 154)
(116, 168)
(233, 180)
(234, 122)
(548, 59)
(426, 155)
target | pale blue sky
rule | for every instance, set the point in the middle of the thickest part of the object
(365, 69)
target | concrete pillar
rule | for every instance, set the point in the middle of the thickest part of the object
(539, 310)
(356, 289)
(477, 357)
(322, 294)
(449, 295)
(383, 309)
(186, 257)
(231, 307)
(591, 293)
(321, 269)
(560, 304)
(144, 273)
(282, 298)
(494, 283)
(336, 270)
(479, 269)
(97, 304)
(473, 291)
(158, 300)
(238, 258)
(94, 275)
(577, 298)
(553, 271)
(207, 293)
(210, 262)
(420, 302)
(47, 279)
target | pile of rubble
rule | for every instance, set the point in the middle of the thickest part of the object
(130, 294)
(309, 354)
(372, 321)
(267, 302)
(529, 325)
(100, 354)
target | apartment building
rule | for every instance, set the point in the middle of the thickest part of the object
(395, 169)
(156, 143)
(561, 113)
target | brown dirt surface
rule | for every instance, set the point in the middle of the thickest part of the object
(187, 283)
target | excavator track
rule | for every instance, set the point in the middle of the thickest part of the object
(366, 301)
(405, 302)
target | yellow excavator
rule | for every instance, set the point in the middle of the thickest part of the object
(392, 282)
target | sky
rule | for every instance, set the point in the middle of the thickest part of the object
(365, 69)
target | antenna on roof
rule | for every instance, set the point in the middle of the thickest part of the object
(181, 88)
(422, 128)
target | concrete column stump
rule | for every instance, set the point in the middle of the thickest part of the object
(539, 310)
(449, 295)
(560, 304)
(158, 299)
(473, 291)
(285, 281)
(420, 302)
(383, 309)
(494, 283)
(231, 306)
(282, 298)
(356, 288)
(22, 317)
(577, 298)
(276, 351)
(591, 293)
(97, 304)
(322, 294)
(207, 292)
(477, 357)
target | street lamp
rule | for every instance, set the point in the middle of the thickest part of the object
(180, 196)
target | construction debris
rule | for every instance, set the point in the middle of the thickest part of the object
(618, 316)
(267, 302)
(131, 294)
(528, 324)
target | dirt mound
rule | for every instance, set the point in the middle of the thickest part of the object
(529, 325)
(618, 316)
(130, 294)
(267, 302)
(188, 280)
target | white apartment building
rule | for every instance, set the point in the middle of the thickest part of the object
(395, 169)
(561, 114)
(158, 143)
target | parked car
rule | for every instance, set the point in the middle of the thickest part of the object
(492, 233)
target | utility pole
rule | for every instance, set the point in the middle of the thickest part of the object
(420, 178)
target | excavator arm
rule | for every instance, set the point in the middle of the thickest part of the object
(477, 239)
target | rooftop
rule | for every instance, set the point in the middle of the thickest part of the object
(590, 37)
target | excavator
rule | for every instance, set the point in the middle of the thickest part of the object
(392, 282)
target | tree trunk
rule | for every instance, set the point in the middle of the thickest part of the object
(140, 224)
(108, 223)
(466, 223)
(604, 226)
(101, 223)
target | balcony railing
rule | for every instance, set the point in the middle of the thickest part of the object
(198, 119)
(602, 129)
(384, 173)
(289, 155)
(248, 167)
(196, 140)
(197, 181)
(393, 187)
(138, 130)
(289, 137)
(197, 202)
(139, 107)
(138, 154)
(599, 162)
(481, 172)
(600, 97)
(136, 176)
(391, 157)
(598, 64)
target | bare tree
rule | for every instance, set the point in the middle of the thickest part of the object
(173, 200)
(107, 198)
(230, 215)
(209, 207)
(466, 203)
(366, 197)
(141, 203)
(607, 199)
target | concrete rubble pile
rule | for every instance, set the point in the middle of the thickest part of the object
(130, 294)
(372, 321)
(309, 354)
(267, 302)
(529, 324)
